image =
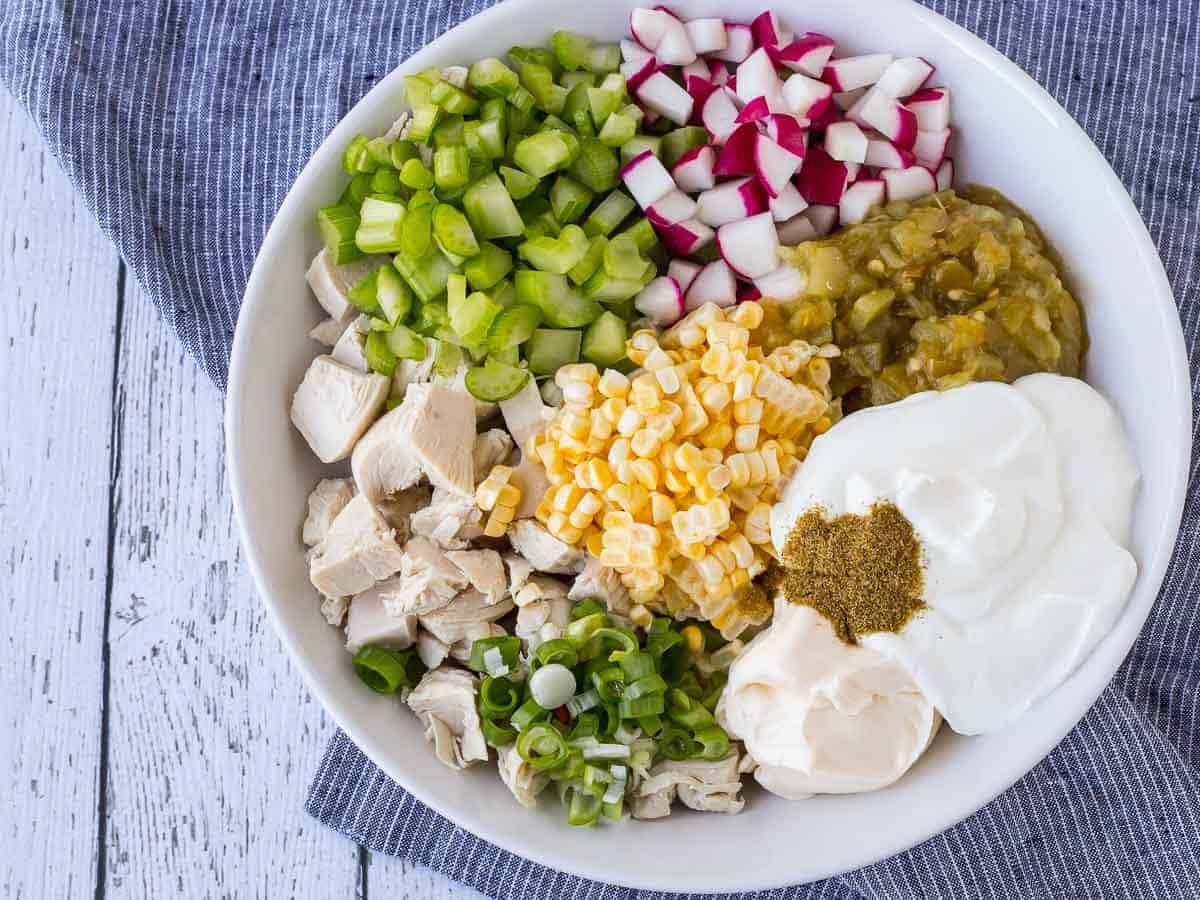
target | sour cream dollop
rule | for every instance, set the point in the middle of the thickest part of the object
(1022, 496)
(820, 716)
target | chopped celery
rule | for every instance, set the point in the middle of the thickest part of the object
(561, 305)
(488, 267)
(591, 261)
(416, 90)
(393, 295)
(519, 184)
(604, 340)
(495, 381)
(453, 100)
(569, 199)
(623, 259)
(571, 49)
(421, 199)
(623, 308)
(605, 288)
(451, 168)
(405, 343)
(510, 355)
(416, 233)
(491, 210)
(355, 156)
(380, 151)
(618, 130)
(539, 55)
(431, 319)
(484, 140)
(424, 119)
(596, 165)
(577, 112)
(493, 110)
(643, 234)
(522, 100)
(539, 81)
(453, 233)
(571, 80)
(337, 225)
(380, 225)
(492, 78)
(549, 349)
(447, 359)
(554, 123)
(413, 174)
(365, 294)
(513, 326)
(386, 181)
(612, 211)
(604, 58)
(358, 189)
(639, 145)
(606, 99)
(558, 255)
(470, 316)
(539, 218)
(401, 152)
(504, 293)
(427, 277)
(542, 153)
(680, 141)
(449, 132)
(379, 355)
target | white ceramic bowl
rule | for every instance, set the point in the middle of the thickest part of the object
(1012, 136)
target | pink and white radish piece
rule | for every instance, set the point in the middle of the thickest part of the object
(661, 301)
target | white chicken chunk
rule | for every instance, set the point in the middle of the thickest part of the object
(427, 580)
(544, 551)
(460, 650)
(544, 619)
(525, 415)
(431, 651)
(332, 283)
(450, 520)
(334, 610)
(492, 448)
(522, 779)
(350, 349)
(455, 620)
(335, 405)
(370, 623)
(444, 701)
(359, 550)
(484, 569)
(327, 499)
(432, 433)
(327, 331)
(540, 587)
(397, 131)
(604, 584)
(399, 508)
(700, 784)
(422, 371)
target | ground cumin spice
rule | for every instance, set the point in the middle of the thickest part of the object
(862, 573)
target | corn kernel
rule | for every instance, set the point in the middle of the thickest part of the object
(689, 458)
(715, 397)
(693, 637)
(566, 496)
(613, 558)
(719, 477)
(748, 315)
(646, 472)
(710, 569)
(676, 483)
(712, 456)
(510, 495)
(657, 359)
(574, 425)
(646, 443)
(748, 412)
(580, 372)
(662, 508)
(612, 408)
(578, 392)
(593, 541)
(690, 336)
(613, 384)
(743, 385)
(717, 435)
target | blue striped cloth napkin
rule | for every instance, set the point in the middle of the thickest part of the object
(184, 123)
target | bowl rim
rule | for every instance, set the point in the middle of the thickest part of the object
(1152, 571)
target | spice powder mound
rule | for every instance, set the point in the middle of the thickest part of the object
(862, 573)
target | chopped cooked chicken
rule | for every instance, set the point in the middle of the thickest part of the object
(699, 784)
(335, 405)
(543, 619)
(525, 415)
(334, 609)
(484, 569)
(427, 580)
(350, 349)
(540, 587)
(411, 372)
(519, 571)
(602, 583)
(552, 394)
(522, 779)
(432, 433)
(327, 499)
(444, 701)
(544, 551)
(332, 283)
(327, 331)
(456, 75)
(370, 623)
(430, 650)
(399, 509)
(450, 520)
(460, 650)
(454, 621)
(492, 447)
(359, 550)
(398, 130)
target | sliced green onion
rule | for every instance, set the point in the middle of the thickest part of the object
(582, 702)
(615, 791)
(647, 705)
(498, 698)
(495, 381)
(542, 747)
(557, 650)
(586, 724)
(714, 742)
(385, 671)
(491, 210)
(688, 712)
(587, 607)
(338, 225)
(497, 735)
(583, 805)
(580, 631)
(650, 725)
(646, 685)
(610, 638)
(636, 664)
(677, 744)
(610, 683)
(512, 327)
(528, 714)
(606, 751)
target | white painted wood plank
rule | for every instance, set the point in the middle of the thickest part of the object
(398, 879)
(57, 319)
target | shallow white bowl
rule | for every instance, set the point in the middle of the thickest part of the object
(1137, 358)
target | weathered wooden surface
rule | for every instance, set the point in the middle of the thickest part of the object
(154, 738)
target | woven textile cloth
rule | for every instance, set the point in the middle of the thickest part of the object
(183, 122)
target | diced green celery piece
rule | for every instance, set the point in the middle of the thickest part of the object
(643, 234)
(495, 381)
(650, 272)
(612, 211)
(447, 358)
(522, 100)
(513, 326)
(453, 99)
(492, 78)
(570, 80)
(591, 261)
(680, 141)
(405, 343)
(484, 140)
(337, 225)
(451, 168)
(431, 319)
(386, 181)
(453, 232)
(413, 174)
(623, 308)
(558, 255)
(353, 155)
(384, 237)
(504, 293)
(427, 277)
(604, 58)
(539, 217)
(554, 123)
(416, 233)
(424, 119)
(571, 49)
(365, 294)
(596, 166)
(493, 109)
(604, 340)
(539, 55)
(639, 145)
(569, 199)
(539, 81)
(491, 210)
(519, 184)
(449, 132)
(618, 130)
(378, 209)
(401, 152)
(380, 357)
(605, 288)
(416, 90)
(380, 150)
(470, 316)
(510, 356)
(358, 189)
(606, 99)
(542, 153)
(623, 259)
(561, 305)
(420, 199)
(549, 349)
(393, 294)
(576, 108)
(488, 267)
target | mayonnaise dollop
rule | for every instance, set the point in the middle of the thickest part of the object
(820, 716)
(1022, 497)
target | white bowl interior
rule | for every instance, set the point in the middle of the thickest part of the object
(1136, 359)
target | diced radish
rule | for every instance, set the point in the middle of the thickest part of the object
(647, 179)
(684, 272)
(694, 171)
(774, 165)
(931, 107)
(823, 218)
(852, 171)
(859, 198)
(852, 72)
(697, 67)
(739, 43)
(718, 73)
(756, 77)
(650, 26)
(731, 201)
(636, 74)
(828, 115)
(675, 48)
(931, 147)
(720, 115)
(754, 110)
(671, 208)
(661, 301)
(784, 284)
(788, 132)
(883, 154)
(685, 238)
(788, 204)
(905, 76)
(714, 284)
(887, 116)
(908, 184)
(846, 99)
(751, 246)
(822, 178)
(737, 155)
(748, 293)
(806, 96)
(766, 30)
(700, 89)
(795, 231)
(808, 54)
(665, 97)
(633, 52)
(845, 141)
(945, 175)
(707, 35)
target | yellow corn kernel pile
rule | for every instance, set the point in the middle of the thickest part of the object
(501, 499)
(668, 475)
